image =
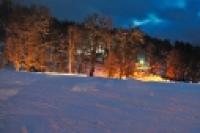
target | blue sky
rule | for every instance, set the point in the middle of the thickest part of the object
(172, 19)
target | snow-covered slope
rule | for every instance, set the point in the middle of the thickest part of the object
(39, 103)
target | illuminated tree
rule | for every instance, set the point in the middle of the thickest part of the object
(73, 40)
(95, 25)
(134, 44)
(175, 66)
(35, 41)
(127, 45)
(26, 33)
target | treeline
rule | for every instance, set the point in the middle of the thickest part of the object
(179, 61)
(36, 41)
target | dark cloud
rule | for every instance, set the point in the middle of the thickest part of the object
(173, 19)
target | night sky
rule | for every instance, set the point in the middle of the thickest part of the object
(172, 19)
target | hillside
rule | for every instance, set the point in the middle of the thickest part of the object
(50, 103)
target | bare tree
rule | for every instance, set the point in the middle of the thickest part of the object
(73, 40)
(26, 34)
(95, 24)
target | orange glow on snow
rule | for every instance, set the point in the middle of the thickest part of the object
(146, 78)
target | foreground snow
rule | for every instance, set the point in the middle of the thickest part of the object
(41, 103)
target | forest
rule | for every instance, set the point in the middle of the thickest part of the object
(34, 40)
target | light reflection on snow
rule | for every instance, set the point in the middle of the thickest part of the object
(152, 78)
(62, 74)
(146, 78)
(6, 93)
(84, 89)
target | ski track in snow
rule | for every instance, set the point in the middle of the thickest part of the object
(42, 103)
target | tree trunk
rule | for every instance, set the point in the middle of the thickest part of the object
(92, 71)
(70, 61)
(92, 67)
(120, 73)
(17, 66)
(70, 56)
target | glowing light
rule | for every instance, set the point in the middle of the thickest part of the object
(142, 62)
(151, 19)
(150, 78)
(140, 22)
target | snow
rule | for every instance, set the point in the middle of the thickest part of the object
(152, 78)
(53, 103)
(62, 74)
